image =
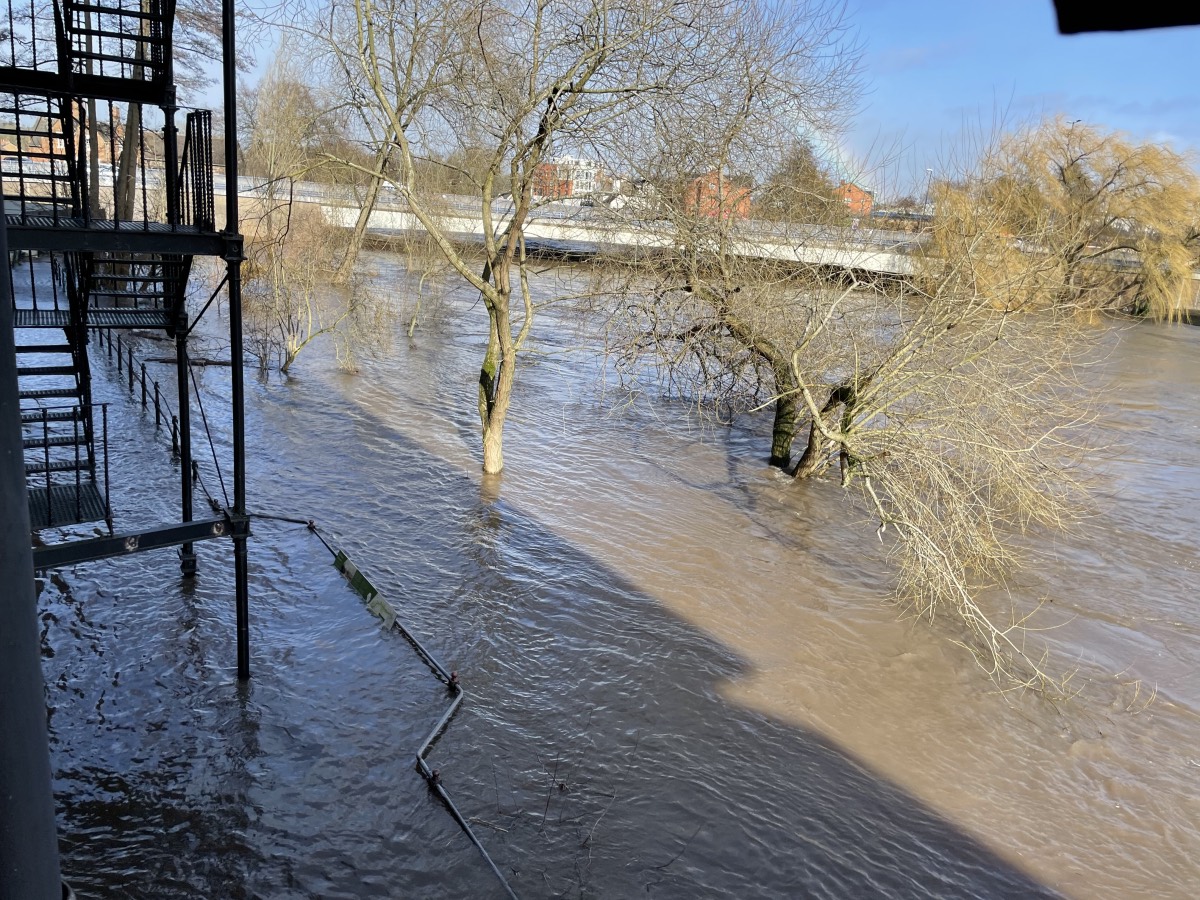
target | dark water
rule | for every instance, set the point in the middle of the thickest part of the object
(683, 678)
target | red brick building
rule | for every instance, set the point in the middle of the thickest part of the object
(712, 195)
(568, 178)
(858, 202)
(548, 184)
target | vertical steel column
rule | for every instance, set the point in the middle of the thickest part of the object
(171, 157)
(233, 261)
(28, 839)
(187, 553)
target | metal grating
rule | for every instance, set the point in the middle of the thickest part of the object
(96, 318)
(69, 505)
(38, 220)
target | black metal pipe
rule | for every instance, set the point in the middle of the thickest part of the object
(233, 262)
(108, 517)
(187, 555)
(171, 152)
(157, 406)
(143, 385)
(129, 351)
(29, 865)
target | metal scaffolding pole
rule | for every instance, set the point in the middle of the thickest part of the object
(233, 261)
(28, 839)
(187, 554)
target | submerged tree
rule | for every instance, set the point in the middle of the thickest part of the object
(953, 414)
(291, 250)
(505, 85)
(801, 189)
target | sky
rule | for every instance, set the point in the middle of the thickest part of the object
(936, 68)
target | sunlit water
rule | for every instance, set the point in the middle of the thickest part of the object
(683, 676)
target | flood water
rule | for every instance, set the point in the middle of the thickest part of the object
(683, 676)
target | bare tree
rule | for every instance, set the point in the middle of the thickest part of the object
(291, 250)
(511, 82)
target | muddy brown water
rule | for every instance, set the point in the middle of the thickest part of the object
(683, 677)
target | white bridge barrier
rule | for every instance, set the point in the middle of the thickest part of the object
(818, 249)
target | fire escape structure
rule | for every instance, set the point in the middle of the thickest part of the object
(106, 205)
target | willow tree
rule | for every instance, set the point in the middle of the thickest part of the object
(946, 399)
(1093, 219)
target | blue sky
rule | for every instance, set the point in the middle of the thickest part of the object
(933, 67)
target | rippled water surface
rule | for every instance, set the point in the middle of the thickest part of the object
(683, 678)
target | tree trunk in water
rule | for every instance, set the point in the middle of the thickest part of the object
(813, 460)
(493, 453)
(814, 454)
(783, 432)
(495, 394)
(497, 374)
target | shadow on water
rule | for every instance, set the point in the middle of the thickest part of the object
(596, 753)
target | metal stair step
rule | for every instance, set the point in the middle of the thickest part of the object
(103, 280)
(47, 393)
(30, 416)
(58, 465)
(130, 318)
(56, 440)
(66, 504)
(45, 370)
(41, 318)
(45, 348)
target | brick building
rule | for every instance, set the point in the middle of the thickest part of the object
(858, 201)
(713, 195)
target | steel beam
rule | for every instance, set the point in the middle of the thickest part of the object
(233, 261)
(128, 238)
(16, 80)
(56, 556)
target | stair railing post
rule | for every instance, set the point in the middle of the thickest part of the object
(46, 456)
(78, 478)
(108, 518)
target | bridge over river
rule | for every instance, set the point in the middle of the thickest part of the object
(571, 228)
(587, 229)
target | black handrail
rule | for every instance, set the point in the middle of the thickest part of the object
(197, 206)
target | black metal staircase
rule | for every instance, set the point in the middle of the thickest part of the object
(129, 290)
(99, 223)
(38, 167)
(103, 216)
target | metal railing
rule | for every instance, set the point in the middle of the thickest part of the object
(127, 39)
(197, 206)
(69, 480)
